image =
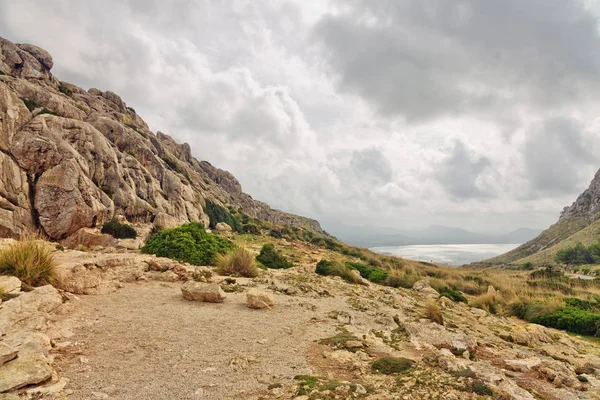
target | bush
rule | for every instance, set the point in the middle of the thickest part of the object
(31, 104)
(238, 262)
(119, 231)
(391, 365)
(432, 312)
(452, 294)
(369, 272)
(487, 302)
(272, 259)
(188, 243)
(579, 254)
(480, 388)
(251, 229)
(571, 319)
(334, 268)
(65, 89)
(217, 214)
(30, 260)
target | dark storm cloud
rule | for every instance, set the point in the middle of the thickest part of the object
(461, 172)
(421, 59)
(558, 156)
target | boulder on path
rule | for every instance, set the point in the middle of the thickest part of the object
(206, 292)
(259, 299)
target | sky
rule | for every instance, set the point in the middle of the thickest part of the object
(478, 114)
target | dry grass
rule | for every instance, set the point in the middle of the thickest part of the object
(30, 259)
(432, 312)
(238, 262)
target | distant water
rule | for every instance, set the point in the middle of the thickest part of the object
(447, 254)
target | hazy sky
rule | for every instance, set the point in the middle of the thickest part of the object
(474, 113)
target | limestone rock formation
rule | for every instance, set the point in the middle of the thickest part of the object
(71, 159)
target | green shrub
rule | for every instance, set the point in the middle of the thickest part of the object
(480, 388)
(188, 243)
(582, 378)
(31, 104)
(65, 89)
(217, 214)
(251, 228)
(579, 254)
(272, 259)
(334, 268)
(119, 231)
(369, 272)
(30, 260)
(571, 319)
(452, 294)
(46, 111)
(391, 365)
(237, 262)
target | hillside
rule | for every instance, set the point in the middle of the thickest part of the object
(72, 159)
(577, 223)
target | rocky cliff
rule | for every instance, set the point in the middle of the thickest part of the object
(71, 159)
(573, 221)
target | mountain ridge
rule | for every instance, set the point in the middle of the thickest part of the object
(72, 159)
(574, 222)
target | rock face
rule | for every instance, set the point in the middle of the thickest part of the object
(206, 292)
(259, 299)
(71, 159)
(588, 202)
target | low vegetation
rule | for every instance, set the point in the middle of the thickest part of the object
(188, 243)
(237, 262)
(432, 312)
(118, 230)
(391, 365)
(30, 260)
(217, 213)
(335, 268)
(579, 254)
(271, 258)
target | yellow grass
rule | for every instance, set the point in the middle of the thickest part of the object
(239, 262)
(30, 259)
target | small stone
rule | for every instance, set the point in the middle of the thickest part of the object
(84, 360)
(206, 292)
(353, 344)
(259, 299)
(100, 395)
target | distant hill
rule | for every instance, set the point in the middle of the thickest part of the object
(577, 223)
(434, 234)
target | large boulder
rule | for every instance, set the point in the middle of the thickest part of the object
(207, 292)
(259, 299)
(29, 310)
(24, 371)
(222, 227)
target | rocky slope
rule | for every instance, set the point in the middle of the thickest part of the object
(576, 221)
(71, 159)
(135, 336)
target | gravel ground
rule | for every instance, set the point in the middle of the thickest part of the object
(146, 342)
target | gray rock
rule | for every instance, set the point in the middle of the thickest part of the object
(24, 371)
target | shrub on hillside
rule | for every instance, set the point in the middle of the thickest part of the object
(391, 365)
(119, 231)
(217, 213)
(334, 268)
(30, 260)
(452, 294)
(369, 272)
(579, 254)
(237, 262)
(188, 243)
(271, 258)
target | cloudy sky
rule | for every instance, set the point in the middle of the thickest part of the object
(481, 114)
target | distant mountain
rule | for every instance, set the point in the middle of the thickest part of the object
(579, 222)
(434, 234)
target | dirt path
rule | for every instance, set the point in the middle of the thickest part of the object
(146, 342)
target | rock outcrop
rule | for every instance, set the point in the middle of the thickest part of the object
(71, 159)
(206, 292)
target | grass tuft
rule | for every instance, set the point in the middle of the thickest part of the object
(30, 260)
(391, 365)
(238, 262)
